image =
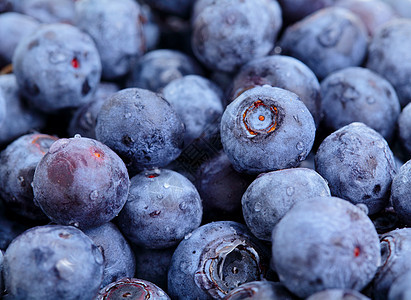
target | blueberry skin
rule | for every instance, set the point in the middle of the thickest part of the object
(80, 182)
(3, 108)
(373, 13)
(83, 121)
(284, 72)
(295, 10)
(333, 245)
(389, 54)
(152, 264)
(359, 95)
(271, 196)
(19, 118)
(46, 11)
(336, 294)
(260, 290)
(17, 164)
(227, 34)
(116, 29)
(53, 262)
(180, 8)
(221, 188)
(401, 7)
(13, 26)
(157, 68)
(142, 127)
(358, 165)
(327, 40)
(395, 253)
(119, 260)
(401, 193)
(404, 129)
(132, 288)
(214, 259)
(400, 288)
(197, 101)
(266, 129)
(57, 67)
(162, 207)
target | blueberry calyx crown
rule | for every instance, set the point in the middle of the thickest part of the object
(226, 264)
(260, 118)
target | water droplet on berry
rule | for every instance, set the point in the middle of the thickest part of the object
(257, 207)
(188, 235)
(127, 115)
(300, 146)
(94, 195)
(160, 196)
(74, 223)
(290, 191)
(370, 100)
(77, 136)
(166, 185)
(21, 180)
(183, 205)
(98, 256)
(58, 145)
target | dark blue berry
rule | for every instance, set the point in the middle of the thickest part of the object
(401, 193)
(53, 262)
(271, 196)
(404, 129)
(267, 129)
(336, 294)
(162, 207)
(358, 165)
(57, 67)
(259, 290)
(80, 182)
(142, 127)
(17, 164)
(323, 243)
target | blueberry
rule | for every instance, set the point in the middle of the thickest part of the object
(83, 121)
(228, 33)
(295, 10)
(13, 26)
(198, 103)
(260, 290)
(214, 259)
(162, 207)
(221, 188)
(389, 55)
(284, 72)
(395, 253)
(373, 13)
(52, 262)
(46, 11)
(152, 264)
(57, 67)
(359, 95)
(81, 182)
(19, 119)
(327, 40)
(266, 129)
(17, 164)
(358, 165)
(336, 294)
(157, 68)
(119, 259)
(132, 288)
(400, 288)
(333, 245)
(116, 29)
(401, 7)
(404, 129)
(142, 127)
(271, 196)
(401, 193)
(180, 8)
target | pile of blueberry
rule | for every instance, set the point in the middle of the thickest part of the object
(205, 149)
